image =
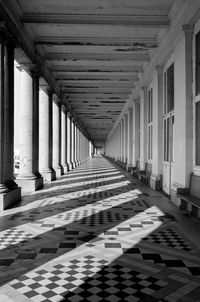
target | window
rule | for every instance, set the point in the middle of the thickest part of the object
(138, 130)
(166, 139)
(169, 138)
(150, 123)
(169, 90)
(197, 133)
(197, 64)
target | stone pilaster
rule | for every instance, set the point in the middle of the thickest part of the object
(9, 191)
(157, 160)
(72, 142)
(77, 145)
(64, 139)
(130, 138)
(143, 128)
(125, 137)
(29, 177)
(122, 140)
(69, 141)
(45, 134)
(57, 136)
(136, 147)
(183, 127)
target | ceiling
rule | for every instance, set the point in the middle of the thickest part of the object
(92, 51)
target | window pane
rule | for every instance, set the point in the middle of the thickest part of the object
(198, 63)
(197, 134)
(170, 88)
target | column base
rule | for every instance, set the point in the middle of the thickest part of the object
(128, 167)
(175, 200)
(9, 198)
(156, 182)
(69, 166)
(58, 171)
(65, 168)
(49, 175)
(73, 164)
(77, 163)
(29, 185)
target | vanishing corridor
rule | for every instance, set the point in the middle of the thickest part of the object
(98, 234)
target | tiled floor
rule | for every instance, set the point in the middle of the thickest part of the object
(97, 234)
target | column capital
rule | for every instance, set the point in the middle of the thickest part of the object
(46, 88)
(56, 98)
(63, 108)
(69, 114)
(188, 28)
(29, 68)
(136, 101)
(159, 69)
(144, 88)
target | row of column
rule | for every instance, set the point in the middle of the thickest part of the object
(129, 140)
(49, 128)
(50, 141)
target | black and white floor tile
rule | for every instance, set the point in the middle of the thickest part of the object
(97, 234)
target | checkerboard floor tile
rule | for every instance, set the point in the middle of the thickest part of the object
(169, 237)
(95, 279)
(86, 238)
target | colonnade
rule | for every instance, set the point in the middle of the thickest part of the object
(157, 128)
(51, 142)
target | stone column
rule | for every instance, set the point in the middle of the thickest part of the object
(123, 155)
(130, 138)
(143, 128)
(29, 177)
(57, 136)
(183, 126)
(121, 142)
(64, 139)
(125, 136)
(157, 159)
(9, 191)
(136, 136)
(45, 134)
(69, 141)
(80, 147)
(72, 142)
(77, 146)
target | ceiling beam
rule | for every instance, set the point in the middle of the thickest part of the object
(96, 90)
(101, 67)
(100, 96)
(96, 83)
(134, 20)
(124, 56)
(150, 42)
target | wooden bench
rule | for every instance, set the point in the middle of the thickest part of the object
(145, 175)
(190, 197)
(135, 170)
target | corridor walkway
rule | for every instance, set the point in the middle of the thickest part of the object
(97, 234)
